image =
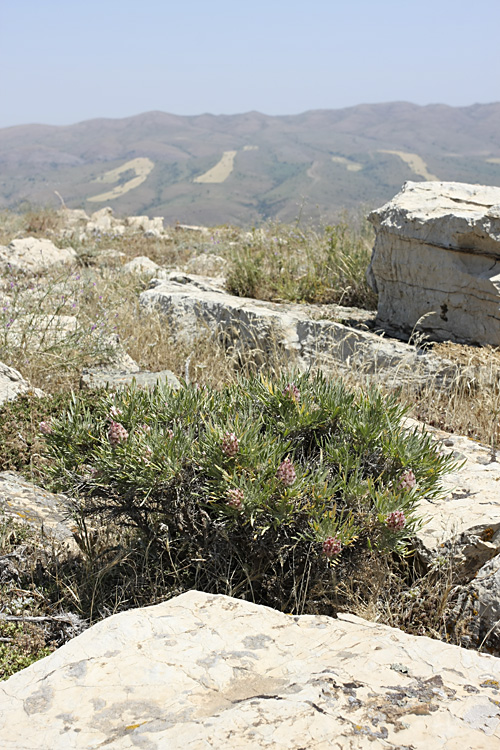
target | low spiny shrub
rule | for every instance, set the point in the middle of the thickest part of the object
(262, 489)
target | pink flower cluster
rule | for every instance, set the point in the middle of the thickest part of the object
(332, 546)
(230, 444)
(291, 391)
(235, 498)
(395, 521)
(286, 473)
(45, 428)
(117, 434)
(407, 480)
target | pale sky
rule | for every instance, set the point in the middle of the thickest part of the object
(64, 61)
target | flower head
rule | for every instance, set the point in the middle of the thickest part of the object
(332, 546)
(117, 434)
(291, 391)
(395, 521)
(230, 444)
(235, 498)
(407, 480)
(286, 473)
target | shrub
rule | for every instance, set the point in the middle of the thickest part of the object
(258, 489)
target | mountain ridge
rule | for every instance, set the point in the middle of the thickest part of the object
(246, 168)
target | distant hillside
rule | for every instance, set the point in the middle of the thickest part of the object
(246, 168)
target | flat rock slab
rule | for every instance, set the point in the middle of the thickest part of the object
(106, 377)
(436, 261)
(289, 330)
(26, 503)
(467, 518)
(204, 671)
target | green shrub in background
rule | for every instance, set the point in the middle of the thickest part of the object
(258, 489)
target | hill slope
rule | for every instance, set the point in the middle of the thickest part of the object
(249, 167)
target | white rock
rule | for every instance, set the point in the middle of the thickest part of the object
(12, 384)
(37, 331)
(485, 589)
(71, 217)
(141, 265)
(101, 220)
(26, 503)
(478, 604)
(31, 255)
(192, 228)
(114, 379)
(436, 261)
(465, 522)
(192, 307)
(204, 671)
(153, 227)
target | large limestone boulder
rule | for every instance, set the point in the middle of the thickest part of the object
(204, 671)
(93, 378)
(436, 261)
(31, 255)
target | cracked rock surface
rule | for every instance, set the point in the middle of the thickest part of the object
(205, 671)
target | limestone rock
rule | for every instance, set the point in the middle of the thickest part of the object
(151, 227)
(436, 261)
(478, 603)
(193, 307)
(466, 520)
(192, 228)
(108, 377)
(141, 265)
(190, 280)
(12, 384)
(101, 220)
(72, 217)
(31, 255)
(204, 671)
(27, 503)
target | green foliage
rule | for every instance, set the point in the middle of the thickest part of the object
(172, 475)
(22, 447)
(286, 263)
(21, 644)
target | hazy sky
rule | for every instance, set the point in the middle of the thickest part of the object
(63, 61)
